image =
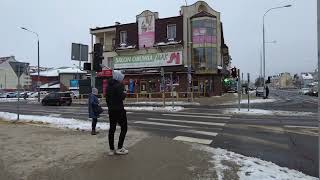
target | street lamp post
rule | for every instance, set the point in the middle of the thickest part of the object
(263, 43)
(38, 80)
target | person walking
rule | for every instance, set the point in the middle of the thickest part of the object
(94, 110)
(117, 113)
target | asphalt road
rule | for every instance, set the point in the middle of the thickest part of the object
(289, 141)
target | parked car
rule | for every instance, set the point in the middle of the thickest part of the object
(57, 98)
(10, 95)
(3, 95)
(304, 91)
(260, 92)
(42, 94)
(75, 94)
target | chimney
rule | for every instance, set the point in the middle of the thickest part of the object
(117, 23)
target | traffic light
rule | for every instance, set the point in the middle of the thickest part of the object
(234, 73)
(97, 57)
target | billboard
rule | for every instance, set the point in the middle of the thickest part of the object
(148, 60)
(146, 29)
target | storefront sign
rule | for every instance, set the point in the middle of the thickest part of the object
(148, 60)
(105, 73)
(146, 29)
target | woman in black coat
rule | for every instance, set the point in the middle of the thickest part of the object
(94, 107)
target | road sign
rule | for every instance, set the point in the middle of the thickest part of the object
(19, 67)
(79, 52)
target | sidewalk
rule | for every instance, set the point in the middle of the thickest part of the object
(36, 152)
(33, 152)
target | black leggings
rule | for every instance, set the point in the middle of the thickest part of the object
(117, 117)
(94, 123)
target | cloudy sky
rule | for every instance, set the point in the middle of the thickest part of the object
(61, 22)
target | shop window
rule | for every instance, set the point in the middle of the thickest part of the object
(171, 31)
(123, 37)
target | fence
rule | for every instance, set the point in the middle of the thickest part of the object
(144, 97)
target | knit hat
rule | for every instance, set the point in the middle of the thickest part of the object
(117, 75)
(95, 91)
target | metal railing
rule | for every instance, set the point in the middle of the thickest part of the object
(144, 97)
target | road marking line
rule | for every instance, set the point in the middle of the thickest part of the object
(193, 140)
(54, 115)
(307, 127)
(190, 122)
(208, 117)
(201, 132)
(208, 114)
(160, 124)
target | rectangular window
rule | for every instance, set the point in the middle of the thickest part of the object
(109, 62)
(123, 37)
(101, 41)
(171, 31)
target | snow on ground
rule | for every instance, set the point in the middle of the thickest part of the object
(250, 168)
(266, 112)
(16, 99)
(179, 103)
(256, 101)
(252, 101)
(54, 121)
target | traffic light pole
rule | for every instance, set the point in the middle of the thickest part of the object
(239, 92)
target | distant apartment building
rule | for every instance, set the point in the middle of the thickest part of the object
(306, 79)
(285, 80)
(188, 50)
(8, 77)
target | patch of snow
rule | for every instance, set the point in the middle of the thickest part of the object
(256, 101)
(250, 168)
(54, 121)
(252, 101)
(16, 99)
(266, 112)
(179, 103)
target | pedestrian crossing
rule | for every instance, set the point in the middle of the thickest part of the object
(183, 126)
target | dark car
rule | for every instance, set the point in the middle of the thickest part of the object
(57, 98)
(260, 91)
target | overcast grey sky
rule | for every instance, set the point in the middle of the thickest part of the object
(61, 22)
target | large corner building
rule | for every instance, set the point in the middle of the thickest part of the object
(187, 50)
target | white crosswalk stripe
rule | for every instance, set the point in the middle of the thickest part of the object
(190, 122)
(197, 116)
(193, 140)
(306, 127)
(161, 124)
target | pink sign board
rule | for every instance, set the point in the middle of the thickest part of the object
(146, 30)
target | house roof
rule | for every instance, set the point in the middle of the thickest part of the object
(4, 59)
(61, 70)
(306, 76)
(203, 14)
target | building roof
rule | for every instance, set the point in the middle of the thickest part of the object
(306, 76)
(47, 86)
(57, 71)
(4, 59)
(203, 14)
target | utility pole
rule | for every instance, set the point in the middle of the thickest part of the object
(239, 92)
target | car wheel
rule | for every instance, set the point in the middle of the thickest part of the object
(8, 96)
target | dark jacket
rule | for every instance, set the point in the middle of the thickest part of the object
(93, 105)
(115, 95)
